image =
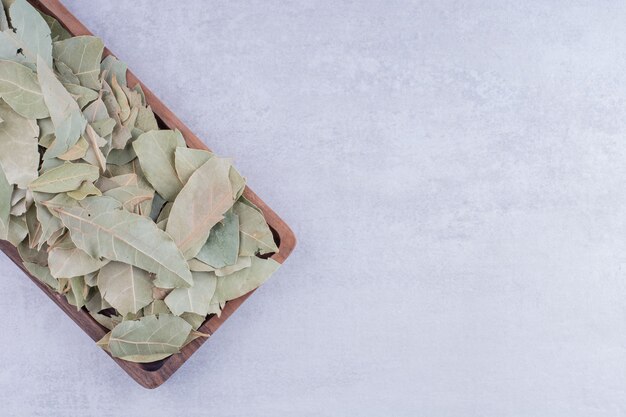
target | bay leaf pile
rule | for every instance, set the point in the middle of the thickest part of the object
(106, 208)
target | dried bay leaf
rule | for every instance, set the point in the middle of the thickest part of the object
(127, 288)
(101, 128)
(49, 164)
(111, 66)
(68, 120)
(65, 73)
(130, 122)
(42, 273)
(19, 154)
(195, 299)
(18, 195)
(82, 54)
(125, 237)
(77, 151)
(17, 230)
(237, 182)
(4, 22)
(83, 95)
(242, 263)
(12, 49)
(108, 322)
(133, 198)
(156, 307)
(52, 202)
(121, 134)
(187, 161)
(20, 89)
(57, 31)
(121, 156)
(6, 190)
(19, 202)
(67, 177)
(91, 279)
(33, 226)
(155, 151)
(196, 265)
(48, 222)
(146, 121)
(94, 302)
(242, 282)
(94, 154)
(191, 232)
(106, 184)
(66, 261)
(256, 236)
(97, 111)
(132, 167)
(244, 200)
(46, 132)
(85, 190)
(78, 293)
(149, 339)
(122, 99)
(32, 30)
(196, 321)
(32, 255)
(222, 247)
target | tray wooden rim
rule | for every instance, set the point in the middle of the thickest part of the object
(151, 375)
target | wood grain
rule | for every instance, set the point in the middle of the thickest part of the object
(154, 374)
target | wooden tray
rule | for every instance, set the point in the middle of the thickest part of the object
(152, 375)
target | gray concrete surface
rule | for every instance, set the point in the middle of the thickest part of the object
(456, 175)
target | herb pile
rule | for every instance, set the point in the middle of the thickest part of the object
(106, 208)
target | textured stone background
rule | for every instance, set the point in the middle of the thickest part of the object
(455, 173)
